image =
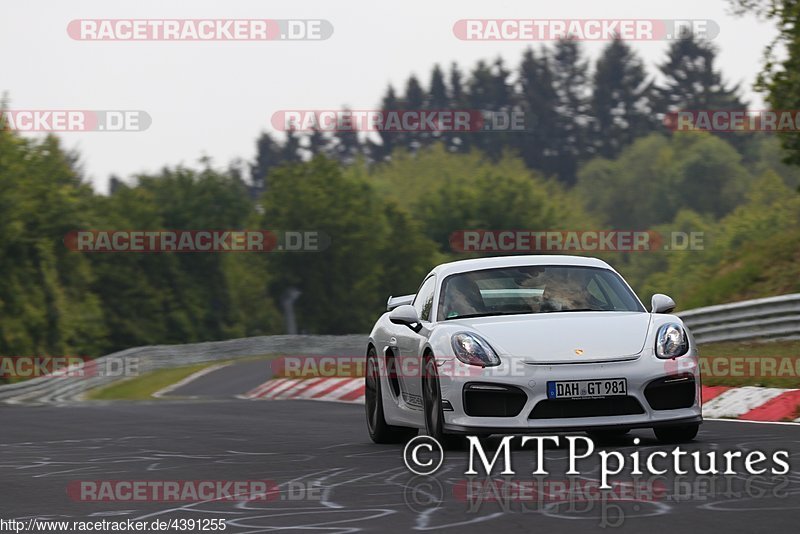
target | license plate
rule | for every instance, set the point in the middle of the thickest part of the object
(581, 389)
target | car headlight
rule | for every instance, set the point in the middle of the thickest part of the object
(671, 341)
(474, 350)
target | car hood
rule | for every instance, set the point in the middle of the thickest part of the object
(565, 337)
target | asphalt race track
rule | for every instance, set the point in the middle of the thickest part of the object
(227, 382)
(353, 485)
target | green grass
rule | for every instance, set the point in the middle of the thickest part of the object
(786, 352)
(764, 267)
(142, 387)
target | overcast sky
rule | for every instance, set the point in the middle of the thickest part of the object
(213, 98)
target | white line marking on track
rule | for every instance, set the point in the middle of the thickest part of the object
(753, 422)
(194, 376)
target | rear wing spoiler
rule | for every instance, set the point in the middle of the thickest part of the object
(394, 302)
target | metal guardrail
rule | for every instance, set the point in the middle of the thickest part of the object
(57, 389)
(768, 318)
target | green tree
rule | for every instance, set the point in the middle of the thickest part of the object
(457, 142)
(342, 288)
(389, 140)
(622, 101)
(488, 91)
(46, 306)
(414, 101)
(181, 297)
(540, 143)
(691, 81)
(780, 77)
(438, 100)
(656, 177)
(268, 156)
(570, 72)
(346, 146)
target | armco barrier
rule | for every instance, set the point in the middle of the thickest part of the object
(54, 389)
(767, 318)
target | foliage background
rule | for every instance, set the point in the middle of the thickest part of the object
(595, 156)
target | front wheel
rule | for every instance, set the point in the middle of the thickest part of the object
(432, 406)
(379, 430)
(676, 434)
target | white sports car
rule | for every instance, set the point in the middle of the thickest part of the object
(519, 344)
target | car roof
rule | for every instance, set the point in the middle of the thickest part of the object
(495, 262)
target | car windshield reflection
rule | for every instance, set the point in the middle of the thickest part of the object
(540, 289)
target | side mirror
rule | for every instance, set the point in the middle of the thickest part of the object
(407, 315)
(661, 303)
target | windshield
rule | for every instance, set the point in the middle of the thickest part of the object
(534, 289)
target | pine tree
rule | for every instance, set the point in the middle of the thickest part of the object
(317, 142)
(489, 91)
(414, 101)
(691, 81)
(268, 156)
(438, 100)
(290, 152)
(538, 146)
(389, 140)
(570, 72)
(346, 146)
(622, 102)
(457, 142)
(437, 97)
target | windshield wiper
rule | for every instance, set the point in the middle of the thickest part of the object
(572, 310)
(490, 314)
(487, 314)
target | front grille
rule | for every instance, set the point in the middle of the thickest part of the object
(671, 392)
(600, 407)
(493, 400)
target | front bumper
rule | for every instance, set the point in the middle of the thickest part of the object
(531, 379)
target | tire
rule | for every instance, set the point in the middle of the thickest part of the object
(607, 435)
(676, 434)
(379, 430)
(432, 406)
